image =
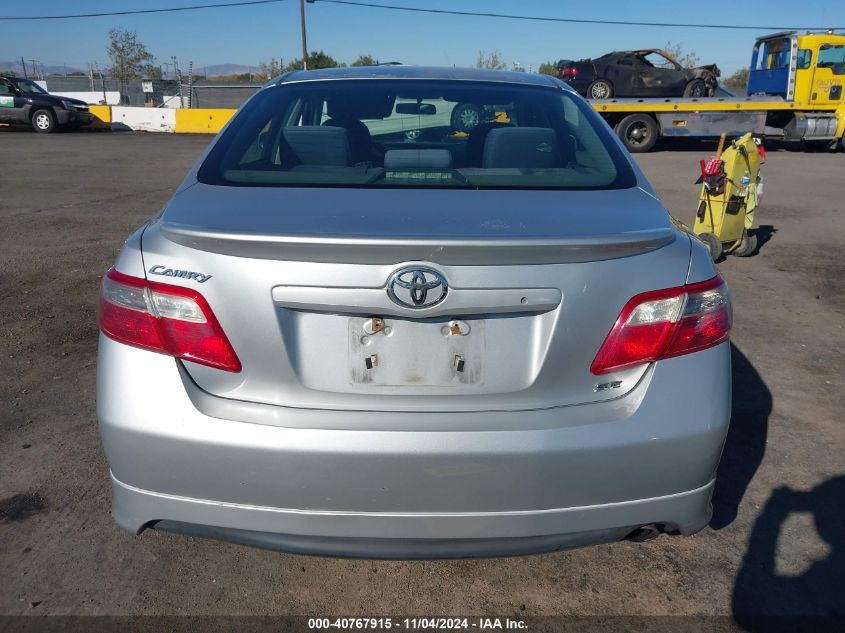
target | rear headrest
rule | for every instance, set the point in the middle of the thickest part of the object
(316, 145)
(418, 159)
(477, 137)
(521, 147)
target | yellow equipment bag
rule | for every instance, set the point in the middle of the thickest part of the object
(731, 189)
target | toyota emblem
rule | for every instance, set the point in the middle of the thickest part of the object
(417, 287)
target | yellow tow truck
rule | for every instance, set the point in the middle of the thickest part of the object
(795, 93)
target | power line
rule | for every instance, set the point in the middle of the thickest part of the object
(536, 18)
(241, 3)
(393, 7)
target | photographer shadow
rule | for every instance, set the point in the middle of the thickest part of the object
(765, 601)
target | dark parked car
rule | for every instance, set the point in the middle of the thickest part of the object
(645, 73)
(25, 102)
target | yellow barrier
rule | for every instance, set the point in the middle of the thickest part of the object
(103, 113)
(202, 121)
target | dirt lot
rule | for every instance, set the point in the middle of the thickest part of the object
(776, 544)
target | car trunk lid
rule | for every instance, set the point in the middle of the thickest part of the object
(299, 280)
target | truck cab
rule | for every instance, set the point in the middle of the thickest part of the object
(805, 69)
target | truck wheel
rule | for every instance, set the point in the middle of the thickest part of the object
(466, 116)
(713, 244)
(696, 89)
(600, 89)
(43, 121)
(747, 246)
(638, 132)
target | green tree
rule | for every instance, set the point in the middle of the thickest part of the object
(684, 58)
(316, 59)
(739, 80)
(492, 61)
(365, 60)
(548, 68)
(130, 59)
(268, 70)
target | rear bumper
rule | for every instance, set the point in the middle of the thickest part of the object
(407, 535)
(563, 477)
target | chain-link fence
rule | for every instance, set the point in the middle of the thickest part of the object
(159, 93)
(218, 94)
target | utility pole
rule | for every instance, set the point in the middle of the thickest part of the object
(302, 24)
(23, 63)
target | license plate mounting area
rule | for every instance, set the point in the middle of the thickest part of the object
(397, 352)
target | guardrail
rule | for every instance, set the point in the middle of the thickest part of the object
(179, 121)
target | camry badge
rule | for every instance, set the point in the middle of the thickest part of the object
(183, 274)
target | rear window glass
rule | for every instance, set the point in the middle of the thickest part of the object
(417, 133)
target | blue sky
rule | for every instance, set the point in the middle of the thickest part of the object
(248, 35)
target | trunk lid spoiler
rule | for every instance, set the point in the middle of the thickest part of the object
(478, 228)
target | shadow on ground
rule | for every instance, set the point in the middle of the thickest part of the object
(746, 441)
(764, 233)
(763, 599)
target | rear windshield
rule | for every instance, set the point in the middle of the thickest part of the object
(417, 133)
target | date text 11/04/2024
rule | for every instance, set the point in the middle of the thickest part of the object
(418, 624)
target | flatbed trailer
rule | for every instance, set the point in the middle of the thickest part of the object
(796, 85)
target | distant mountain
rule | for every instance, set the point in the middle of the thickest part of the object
(15, 67)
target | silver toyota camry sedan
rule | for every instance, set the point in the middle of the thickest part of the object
(357, 331)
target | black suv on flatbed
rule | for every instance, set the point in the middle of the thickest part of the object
(24, 101)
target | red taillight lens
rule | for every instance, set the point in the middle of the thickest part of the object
(569, 72)
(666, 323)
(162, 318)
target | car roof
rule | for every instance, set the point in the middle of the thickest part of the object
(16, 79)
(398, 71)
(638, 52)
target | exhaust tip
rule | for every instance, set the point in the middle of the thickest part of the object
(646, 533)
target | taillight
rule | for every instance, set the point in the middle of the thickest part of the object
(569, 72)
(162, 318)
(665, 323)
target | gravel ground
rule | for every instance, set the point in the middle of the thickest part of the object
(776, 545)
